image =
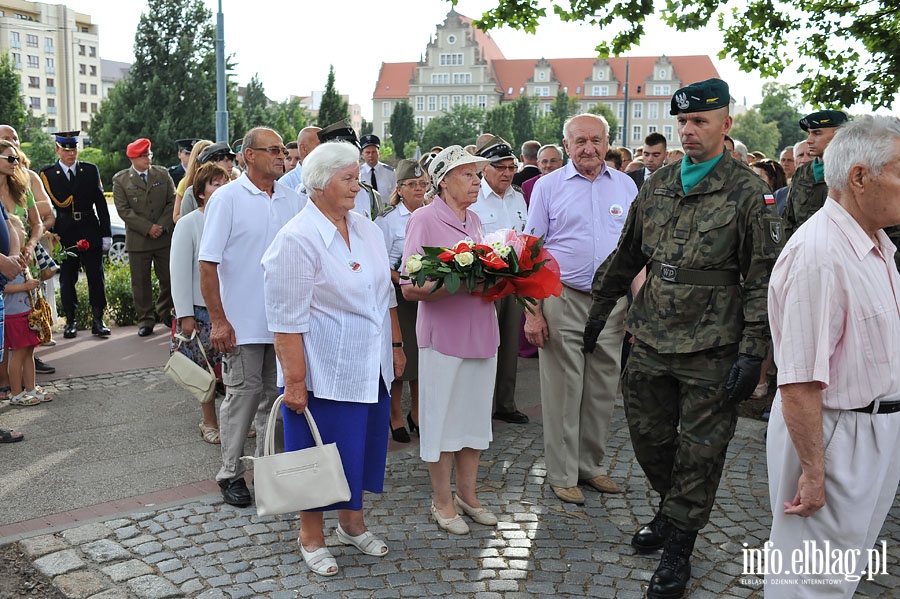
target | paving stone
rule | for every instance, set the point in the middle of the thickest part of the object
(42, 545)
(58, 563)
(123, 571)
(146, 549)
(80, 585)
(86, 533)
(153, 587)
(105, 550)
(111, 594)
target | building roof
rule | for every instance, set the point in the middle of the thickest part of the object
(393, 80)
(489, 48)
(112, 70)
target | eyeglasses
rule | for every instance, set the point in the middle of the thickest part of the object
(11, 159)
(146, 155)
(273, 150)
(511, 168)
(416, 184)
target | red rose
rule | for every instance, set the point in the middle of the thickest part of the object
(446, 256)
(83, 245)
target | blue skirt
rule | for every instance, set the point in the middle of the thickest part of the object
(361, 433)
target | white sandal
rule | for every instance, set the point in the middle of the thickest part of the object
(319, 561)
(39, 394)
(366, 542)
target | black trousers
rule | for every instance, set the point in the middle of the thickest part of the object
(92, 262)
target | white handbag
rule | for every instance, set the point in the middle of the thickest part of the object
(297, 480)
(190, 376)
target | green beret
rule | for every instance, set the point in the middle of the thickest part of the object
(409, 169)
(701, 96)
(823, 119)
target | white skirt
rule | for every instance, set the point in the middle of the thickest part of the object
(455, 401)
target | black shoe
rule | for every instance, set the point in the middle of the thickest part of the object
(167, 321)
(515, 417)
(653, 535)
(71, 329)
(145, 331)
(99, 328)
(413, 427)
(235, 492)
(42, 367)
(400, 435)
(674, 572)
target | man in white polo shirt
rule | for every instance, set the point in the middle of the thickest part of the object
(240, 225)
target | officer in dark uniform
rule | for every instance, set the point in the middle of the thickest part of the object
(342, 131)
(81, 213)
(708, 226)
(808, 189)
(380, 176)
(184, 152)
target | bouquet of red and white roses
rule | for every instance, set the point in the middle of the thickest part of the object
(505, 263)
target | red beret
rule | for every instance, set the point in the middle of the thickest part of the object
(137, 147)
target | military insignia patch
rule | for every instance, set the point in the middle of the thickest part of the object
(769, 199)
(681, 101)
(775, 231)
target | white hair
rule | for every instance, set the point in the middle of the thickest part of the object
(325, 160)
(868, 141)
(598, 117)
(741, 149)
(551, 147)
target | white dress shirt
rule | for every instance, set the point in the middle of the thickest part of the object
(393, 226)
(508, 212)
(338, 298)
(385, 175)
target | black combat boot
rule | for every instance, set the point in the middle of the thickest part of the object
(674, 571)
(652, 536)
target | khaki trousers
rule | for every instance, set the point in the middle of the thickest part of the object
(577, 390)
(142, 288)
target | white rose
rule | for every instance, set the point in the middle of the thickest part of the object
(464, 259)
(414, 263)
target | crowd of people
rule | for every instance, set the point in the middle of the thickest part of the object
(283, 267)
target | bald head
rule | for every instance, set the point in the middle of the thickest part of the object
(9, 134)
(307, 140)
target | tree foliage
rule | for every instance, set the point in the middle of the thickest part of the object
(523, 120)
(333, 107)
(611, 118)
(460, 126)
(12, 103)
(499, 121)
(756, 134)
(256, 104)
(848, 51)
(779, 106)
(403, 127)
(289, 118)
(170, 92)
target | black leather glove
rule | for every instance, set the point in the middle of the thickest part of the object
(592, 330)
(742, 379)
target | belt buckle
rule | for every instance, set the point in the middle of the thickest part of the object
(669, 273)
(76, 215)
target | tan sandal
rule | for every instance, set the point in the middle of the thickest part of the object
(209, 433)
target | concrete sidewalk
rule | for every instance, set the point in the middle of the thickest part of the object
(112, 496)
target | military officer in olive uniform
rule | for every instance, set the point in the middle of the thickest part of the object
(145, 198)
(808, 189)
(81, 213)
(708, 227)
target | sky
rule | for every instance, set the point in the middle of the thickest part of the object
(291, 43)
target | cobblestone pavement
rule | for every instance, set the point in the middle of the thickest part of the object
(206, 549)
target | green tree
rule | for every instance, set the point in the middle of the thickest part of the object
(366, 127)
(499, 121)
(779, 106)
(756, 134)
(607, 113)
(333, 107)
(403, 127)
(107, 163)
(459, 126)
(290, 118)
(847, 51)
(256, 105)
(548, 130)
(523, 121)
(170, 92)
(12, 103)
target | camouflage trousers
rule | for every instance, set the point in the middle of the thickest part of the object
(679, 441)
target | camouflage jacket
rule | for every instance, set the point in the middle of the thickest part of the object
(804, 199)
(727, 226)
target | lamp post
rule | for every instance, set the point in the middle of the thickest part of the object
(221, 104)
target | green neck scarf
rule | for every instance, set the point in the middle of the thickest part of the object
(818, 170)
(691, 173)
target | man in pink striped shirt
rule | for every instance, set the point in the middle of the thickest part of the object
(834, 434)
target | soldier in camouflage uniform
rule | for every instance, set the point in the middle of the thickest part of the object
(808, 188)
(706, 224)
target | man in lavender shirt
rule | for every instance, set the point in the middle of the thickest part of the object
(580, 210)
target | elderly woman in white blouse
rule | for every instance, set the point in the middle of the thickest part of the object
(331, 305)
